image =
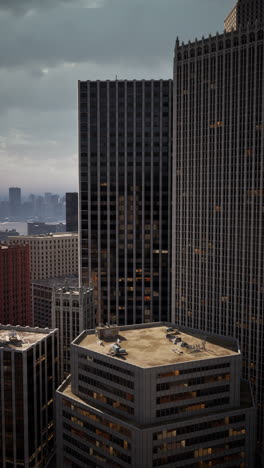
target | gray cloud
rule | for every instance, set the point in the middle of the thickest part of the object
(24, 6)
(138, 31)
(46, 49)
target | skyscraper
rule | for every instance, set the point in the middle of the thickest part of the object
(125, 197)
(29, 372)
(72, 212)
(15, 292)
(14, 202)
(218, 205)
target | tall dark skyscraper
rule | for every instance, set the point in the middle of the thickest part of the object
(125, 197)
(218, 204)
(14, 202)
(72, 212)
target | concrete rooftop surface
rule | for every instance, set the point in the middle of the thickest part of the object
(149, 347)
(21, 340)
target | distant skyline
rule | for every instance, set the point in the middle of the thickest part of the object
(4, 195)
(48, 47)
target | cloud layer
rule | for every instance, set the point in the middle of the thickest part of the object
(47, 45)
(25, 6)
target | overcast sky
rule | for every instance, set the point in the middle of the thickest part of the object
(47, 45)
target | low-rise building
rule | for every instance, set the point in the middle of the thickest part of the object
(4, 235)
(153, 395)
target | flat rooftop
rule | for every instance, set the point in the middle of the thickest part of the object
(21, 340)
(70, 281)
(149, 346)
(55, 235)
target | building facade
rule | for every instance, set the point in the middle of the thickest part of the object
(42, 298)
(162, 404)
(125, 197)
(29, 371)
(51, 255)
(72, 312)
(244, 12)
(218, 230)
(72, 212)
(15, 292)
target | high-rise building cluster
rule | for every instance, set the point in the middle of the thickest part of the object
(49, 207)
(213, 181)
(168, 228)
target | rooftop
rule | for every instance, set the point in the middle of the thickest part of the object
(20, 339)
(71, 281)
(55, 235)
(154, 345)
(5, 246)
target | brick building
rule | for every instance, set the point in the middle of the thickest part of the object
(15, 292)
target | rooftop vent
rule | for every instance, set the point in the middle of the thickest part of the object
(116, 350)
(107, 332)
(11, 338)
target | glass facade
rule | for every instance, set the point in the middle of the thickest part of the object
(125, 197)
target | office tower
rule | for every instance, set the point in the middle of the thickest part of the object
(72, 212)
(244, 12)
(51, 255)
(15, 293)
(125, 197)
(72, 312)
(29, 370)
(137, 399)
(14, 202)
(218, 230)
(42, 298)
